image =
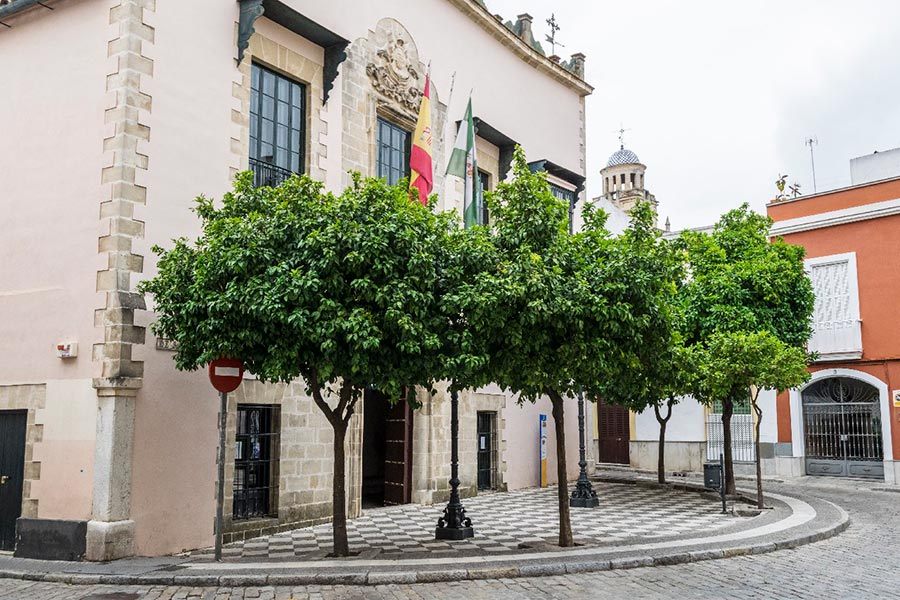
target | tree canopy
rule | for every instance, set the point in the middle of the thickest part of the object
(556, 313)
(739, 280)
(749, 361)
(346, 291)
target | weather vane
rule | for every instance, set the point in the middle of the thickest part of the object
(554, 27)
(621, 131)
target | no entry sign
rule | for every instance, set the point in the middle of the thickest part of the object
(226, 373)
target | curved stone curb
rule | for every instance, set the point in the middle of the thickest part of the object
(579, 563)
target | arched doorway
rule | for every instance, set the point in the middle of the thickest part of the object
(842, 428)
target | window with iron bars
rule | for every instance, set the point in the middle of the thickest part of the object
(277, 126)
(256, 455)
(742, 448)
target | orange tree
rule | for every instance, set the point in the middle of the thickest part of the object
(553, 312)
(345, 291)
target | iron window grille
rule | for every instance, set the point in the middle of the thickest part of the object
(742, 447)
(256, 456)
(392, 160)
(277, 126)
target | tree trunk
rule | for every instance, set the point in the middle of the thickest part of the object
(727, 413)
(339, 493)
(759, 487)
(663, 422)
(339, 418)
(565, 523)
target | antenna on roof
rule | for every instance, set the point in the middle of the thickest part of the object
(554, 27)
(813, 141)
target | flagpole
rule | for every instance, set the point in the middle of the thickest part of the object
(447, 113)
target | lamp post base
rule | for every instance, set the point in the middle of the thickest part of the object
(453, 533)
(580, 502)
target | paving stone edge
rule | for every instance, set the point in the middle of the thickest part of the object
(579, 565)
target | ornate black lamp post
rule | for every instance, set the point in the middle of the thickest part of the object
(583, 495)
(454, 525)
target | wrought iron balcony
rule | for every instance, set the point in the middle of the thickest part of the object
(268, 174)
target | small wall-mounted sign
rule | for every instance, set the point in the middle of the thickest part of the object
(166, 344)
(896, 395)
(67, 349)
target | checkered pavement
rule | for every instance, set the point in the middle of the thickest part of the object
(502, 522)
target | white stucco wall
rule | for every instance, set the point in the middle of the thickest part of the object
(875, 167)
(52, 105)
(686, 425)
(522, 454)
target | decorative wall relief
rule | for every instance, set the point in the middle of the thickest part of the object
(395, 76)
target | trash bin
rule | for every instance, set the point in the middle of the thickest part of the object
(712, 475)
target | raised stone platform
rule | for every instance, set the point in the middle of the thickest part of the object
(635, 525)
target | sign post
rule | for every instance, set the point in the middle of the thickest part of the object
(225, 375)
(543, 441)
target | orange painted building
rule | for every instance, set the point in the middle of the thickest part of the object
(846, 421)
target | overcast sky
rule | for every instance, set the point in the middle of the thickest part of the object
(719, 95)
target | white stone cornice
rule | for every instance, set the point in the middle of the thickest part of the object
(837, 217)
(498, 30)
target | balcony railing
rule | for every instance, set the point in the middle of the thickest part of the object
(837, 340)
(267, 174)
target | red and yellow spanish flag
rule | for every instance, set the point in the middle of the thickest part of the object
(422, 177)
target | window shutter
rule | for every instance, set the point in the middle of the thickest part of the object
(836, 324)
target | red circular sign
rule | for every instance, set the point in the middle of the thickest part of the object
(226, 373)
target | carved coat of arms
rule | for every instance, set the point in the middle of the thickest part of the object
(394, 75)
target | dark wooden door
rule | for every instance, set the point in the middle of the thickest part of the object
(615, 433)
(12, 472)
(398, 454)
(485, 425)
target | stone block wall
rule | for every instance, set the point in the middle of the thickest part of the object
(305, 466)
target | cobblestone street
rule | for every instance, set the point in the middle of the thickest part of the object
(859, 563)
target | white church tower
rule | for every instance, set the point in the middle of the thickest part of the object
(623, 180)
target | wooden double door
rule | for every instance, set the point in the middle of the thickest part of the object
(614, 429)
(387, 451)
(12, 472)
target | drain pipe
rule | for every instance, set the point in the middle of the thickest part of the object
(17, 6)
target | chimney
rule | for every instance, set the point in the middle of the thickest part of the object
(578, 64)
(523, 28)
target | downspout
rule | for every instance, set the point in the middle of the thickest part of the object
(18, 6)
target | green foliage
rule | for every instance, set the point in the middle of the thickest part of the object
(748, 361)
(658, 370)
(559, 312)
(297, 282)
(740, 281)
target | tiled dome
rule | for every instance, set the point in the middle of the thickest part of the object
(622, 157)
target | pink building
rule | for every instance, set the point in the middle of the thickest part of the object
(117, 114)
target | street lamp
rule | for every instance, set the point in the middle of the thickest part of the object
(454, 524)
(583, 495)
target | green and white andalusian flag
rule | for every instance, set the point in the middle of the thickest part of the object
(464, 165)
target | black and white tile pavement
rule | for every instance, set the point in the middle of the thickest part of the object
(502, 522)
